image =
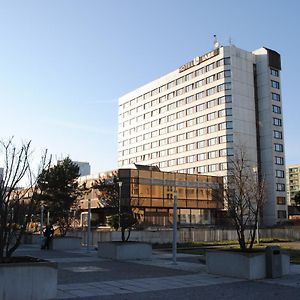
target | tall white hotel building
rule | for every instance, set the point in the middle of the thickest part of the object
(191, 119)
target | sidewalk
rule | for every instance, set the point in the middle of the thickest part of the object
(83, 275)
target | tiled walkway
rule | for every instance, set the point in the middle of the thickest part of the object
(83, 275)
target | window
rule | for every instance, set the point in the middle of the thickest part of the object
(189, 88)
(202, 156)
(276, 109)
(229, 125)
(275, 84)
(172, 151)
(212, 141)
(212, 116)
(171, 117)
(171, 128)
(227, 73)
(201, 107)
(277, 122)
(172, 106)
(280, 200)
(212, 128)
(212, 154)
(190, 146)
(280, 187)
(202, 131)
(190, 122)
(181, 161)
(179, 80)
(180, 125)
(163, 109)
(277, 134)
(279, 160)
(163, 142)
(172, 139)
(212, 168)
(191, 158)
(227, 61)
(275, 97)
(279, 173)
(212, 103)
(229, 138)
(190, 134)
(278, 147)
(180, 114)
(281, 214)
(274, 72)
(190, 111)
(210, 91)
(163, 131)
(181, 137)
(171, 84)
(222, 139)
(201, 144)
(154, 144)
(180, 92)
(200, 95)
(201, 119)
(202, 169)
(181, 149)
(189, 99)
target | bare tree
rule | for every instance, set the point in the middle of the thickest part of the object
(16, 202)
(245, 195)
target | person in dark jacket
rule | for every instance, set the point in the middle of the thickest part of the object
(48, 235)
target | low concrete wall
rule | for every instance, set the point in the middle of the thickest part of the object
(236, 264)
(185, 235)
(28, 281)
(66, 243)
(124, 250)
(251, 266)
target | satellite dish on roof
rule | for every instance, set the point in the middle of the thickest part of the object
(216, 43)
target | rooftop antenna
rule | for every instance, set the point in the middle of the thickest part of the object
(230, 40)
(216, 43)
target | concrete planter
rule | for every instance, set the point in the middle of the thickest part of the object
(124, 250)
(246, 265)
(66, 243)
(28, 280)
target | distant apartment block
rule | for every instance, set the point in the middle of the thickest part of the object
(84, 168)
(193, 119)
(293, 182)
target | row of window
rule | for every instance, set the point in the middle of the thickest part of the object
(178, 126)
(174, 150)
(211, 91)
(171, 117)
(165, 87)
(179, 137)
(177, 93)
(182, 160)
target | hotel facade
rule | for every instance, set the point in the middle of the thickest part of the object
(193, 119)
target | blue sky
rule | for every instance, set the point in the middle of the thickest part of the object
(64, 63)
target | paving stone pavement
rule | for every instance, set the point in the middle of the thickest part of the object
(83, 275)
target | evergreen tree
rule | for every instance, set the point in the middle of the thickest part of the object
(60, 191)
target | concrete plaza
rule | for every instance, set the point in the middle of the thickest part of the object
(82, 275)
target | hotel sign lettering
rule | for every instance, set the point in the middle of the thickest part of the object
(198, 60)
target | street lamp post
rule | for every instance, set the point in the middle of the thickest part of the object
(42, 219)
(174, 245)
(120, 189)
(89, 227)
